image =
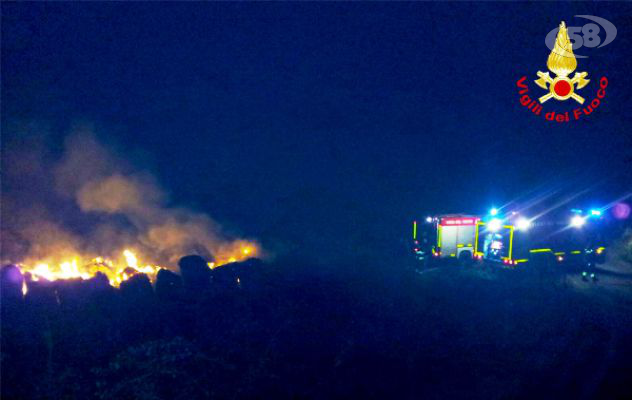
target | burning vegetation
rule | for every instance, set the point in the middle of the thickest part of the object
(94, 212)
(116, 270)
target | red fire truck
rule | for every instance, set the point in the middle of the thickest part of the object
(445, 237)
(570, 239)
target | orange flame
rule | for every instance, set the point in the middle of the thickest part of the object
(117, 271)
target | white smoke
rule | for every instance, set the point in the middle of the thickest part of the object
(117, 206)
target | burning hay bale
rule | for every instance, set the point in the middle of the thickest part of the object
(168, 285)
(136, 288)
(195, 272)
(241, 274)
(12, 282)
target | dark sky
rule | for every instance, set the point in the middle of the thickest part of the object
(324, 126)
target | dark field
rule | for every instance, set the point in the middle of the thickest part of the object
(286, 331)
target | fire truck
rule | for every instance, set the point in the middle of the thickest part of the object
(559, 238)
(445, 237)
(570, 238)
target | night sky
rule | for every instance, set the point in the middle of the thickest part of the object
(322, 128)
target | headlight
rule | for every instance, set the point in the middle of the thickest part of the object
(578, 221)
(523, 224)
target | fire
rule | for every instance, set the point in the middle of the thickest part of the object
(66, 270)
(117, 271)
(130, 258)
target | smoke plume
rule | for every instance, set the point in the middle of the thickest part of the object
(88, 200)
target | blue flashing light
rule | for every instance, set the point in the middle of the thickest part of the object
(595, 213)
(493, 212)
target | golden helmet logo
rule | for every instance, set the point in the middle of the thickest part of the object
(561, 86)
(562, 63)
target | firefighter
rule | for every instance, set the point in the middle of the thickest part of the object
(589, 270)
